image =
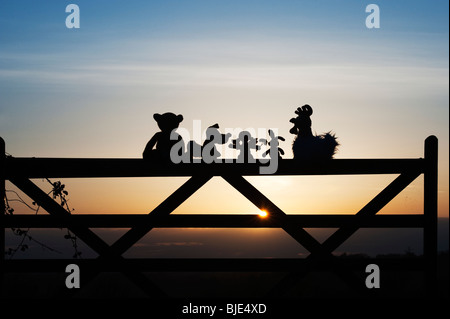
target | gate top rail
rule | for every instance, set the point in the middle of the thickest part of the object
(117, 167)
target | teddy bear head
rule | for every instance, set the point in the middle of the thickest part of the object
(168, 121)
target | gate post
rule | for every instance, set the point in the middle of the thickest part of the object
(2, 214)
(430, 212)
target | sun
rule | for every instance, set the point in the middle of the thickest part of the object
(263, 214)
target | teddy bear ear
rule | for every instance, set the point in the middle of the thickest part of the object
(157, 117)
(180, 118)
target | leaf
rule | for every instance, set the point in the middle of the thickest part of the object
(281, 138)
(281, 151)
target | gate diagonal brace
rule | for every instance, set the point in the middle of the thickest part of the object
(345, 232)
(165, 208)
(263, 203)
(138, 231)
(82, 232)
(299, 234)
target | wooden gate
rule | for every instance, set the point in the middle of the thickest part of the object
(20, 171)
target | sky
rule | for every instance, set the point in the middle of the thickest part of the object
(92, 91)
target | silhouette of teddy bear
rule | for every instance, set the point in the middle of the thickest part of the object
(161, 141)
(307, 146)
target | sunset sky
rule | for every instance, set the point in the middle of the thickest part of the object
(92, 91)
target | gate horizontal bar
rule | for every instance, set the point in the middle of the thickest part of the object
(113, 167)
(210, 264)
(214, 221)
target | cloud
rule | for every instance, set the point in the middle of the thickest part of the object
(301, 60)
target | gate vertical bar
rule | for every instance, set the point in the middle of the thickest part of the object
(430, 212)
(2, 214)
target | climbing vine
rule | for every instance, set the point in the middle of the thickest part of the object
(59, 193)
(24, 234)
